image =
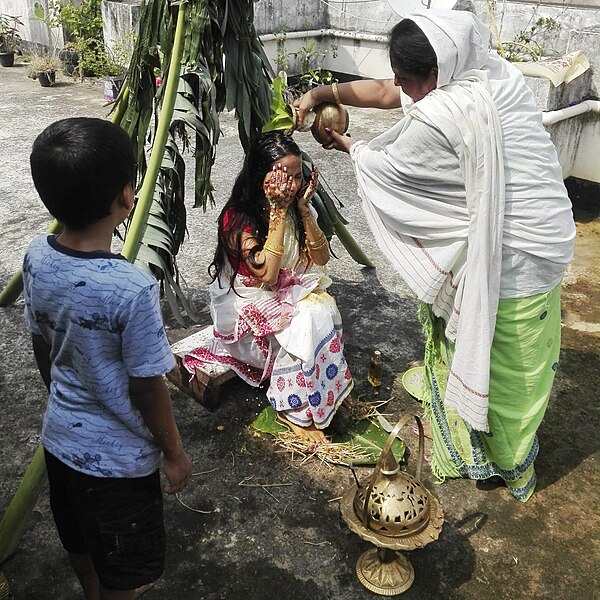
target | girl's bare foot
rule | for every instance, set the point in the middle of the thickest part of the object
(310, 433)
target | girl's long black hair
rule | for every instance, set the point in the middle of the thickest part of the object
(248, 205)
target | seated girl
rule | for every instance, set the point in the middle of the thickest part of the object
(272, 317)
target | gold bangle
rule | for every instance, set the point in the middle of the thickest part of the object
(273, 249)
(319, 240)
(335, 92)
(317, 244)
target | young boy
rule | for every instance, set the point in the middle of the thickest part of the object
(101, 349)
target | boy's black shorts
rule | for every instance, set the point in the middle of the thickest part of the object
(119, 521)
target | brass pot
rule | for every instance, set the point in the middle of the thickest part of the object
(331, 115)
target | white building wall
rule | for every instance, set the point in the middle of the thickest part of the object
(32, 30)
(277, 16)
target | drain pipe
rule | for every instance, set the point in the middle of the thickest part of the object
(555, 116)
(320, 33)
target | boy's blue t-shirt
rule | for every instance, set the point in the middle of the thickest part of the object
(101, 317)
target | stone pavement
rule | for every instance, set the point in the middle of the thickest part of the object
(247, 541)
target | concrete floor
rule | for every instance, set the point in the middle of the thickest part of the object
(287, 540)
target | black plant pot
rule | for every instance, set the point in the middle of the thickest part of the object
(7, 59)
(47, 78)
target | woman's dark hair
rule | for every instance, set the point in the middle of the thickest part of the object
(247, 207)
(410, 49)
(79, 166)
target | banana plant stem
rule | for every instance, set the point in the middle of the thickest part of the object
(146, 194)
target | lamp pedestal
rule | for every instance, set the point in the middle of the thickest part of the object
(385, 572)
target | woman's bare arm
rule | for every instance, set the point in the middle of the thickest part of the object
(316, 242)
(365, 93)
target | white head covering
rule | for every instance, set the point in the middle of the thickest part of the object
(459, 38)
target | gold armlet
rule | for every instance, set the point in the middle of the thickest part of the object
(273, 249)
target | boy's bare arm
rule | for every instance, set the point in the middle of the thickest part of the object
(41, 351)
(151, 396)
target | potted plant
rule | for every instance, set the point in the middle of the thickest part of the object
(119, 59)
(113, 81)
(82, 23)
(112, 85)
(43, 67)
(10, 40)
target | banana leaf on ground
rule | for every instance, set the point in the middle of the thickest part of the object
(363, 442)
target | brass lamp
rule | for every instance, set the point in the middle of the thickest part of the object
(395, 512)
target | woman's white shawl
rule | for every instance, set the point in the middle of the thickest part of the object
(450, 255)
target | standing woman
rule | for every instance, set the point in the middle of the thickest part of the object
(272, 317)
(466, 199)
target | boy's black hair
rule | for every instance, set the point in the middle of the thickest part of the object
(79, 166)
(410, 49)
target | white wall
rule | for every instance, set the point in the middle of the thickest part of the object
(579, 26)
(32, 30)
(275, 16)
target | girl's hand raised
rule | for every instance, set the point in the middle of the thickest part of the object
(278, 187)
(307, 193)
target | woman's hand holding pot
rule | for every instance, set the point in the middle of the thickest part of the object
(338, 141)
(304, 105)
